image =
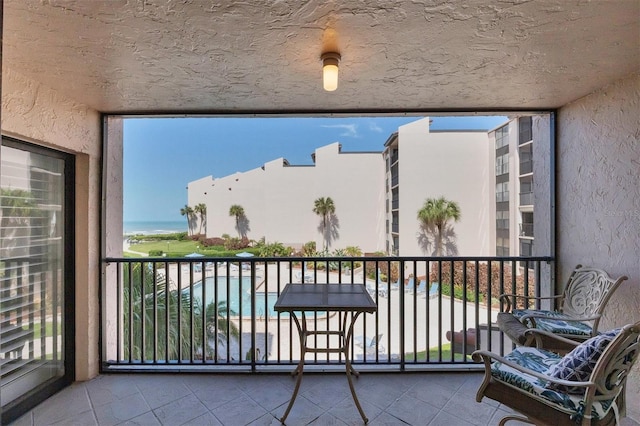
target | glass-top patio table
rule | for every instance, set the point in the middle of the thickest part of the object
(350, 299)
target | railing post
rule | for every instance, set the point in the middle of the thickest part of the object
(253, 316)
(402, 328)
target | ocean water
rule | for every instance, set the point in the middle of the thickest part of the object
(154, 227)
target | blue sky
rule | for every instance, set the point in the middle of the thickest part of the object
(162, 155)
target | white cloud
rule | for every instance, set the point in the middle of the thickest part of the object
(373, 126)
(350, 130)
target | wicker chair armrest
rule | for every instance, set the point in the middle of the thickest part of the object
(537, 335)
(506, 299)
(488, 357)
(520, 296)
(565, 318)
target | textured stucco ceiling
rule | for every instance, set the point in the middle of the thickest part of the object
(264, 55)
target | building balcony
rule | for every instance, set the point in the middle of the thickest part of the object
(203, 399)
(526, 230)
(526, 198)
(526, 167)
(245, 335)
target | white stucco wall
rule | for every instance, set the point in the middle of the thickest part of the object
(456, 165)
(544, 203)
(36, 114)
(278, 199)
(598, 186)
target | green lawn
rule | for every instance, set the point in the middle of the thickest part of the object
(433, 354)
(187, 246)
(174, 248)
(48, 330)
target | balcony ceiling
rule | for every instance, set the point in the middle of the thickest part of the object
(169, 56)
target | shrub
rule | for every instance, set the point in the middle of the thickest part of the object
(176, 236)
(353, 251)
(275, 249)
(236, 243)
(258, 244)
(212, 242)
(309, 249)
(155, 253)
(371, 266)
(511, 284)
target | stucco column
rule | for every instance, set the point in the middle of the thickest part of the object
(112, 212)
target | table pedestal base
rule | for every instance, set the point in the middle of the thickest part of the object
(344, 336)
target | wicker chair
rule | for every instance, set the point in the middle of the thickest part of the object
(585, 387)
(578, 313)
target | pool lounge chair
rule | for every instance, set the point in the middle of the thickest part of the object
(422, 287)
(410, 285)
(433, 290)
(396, 285)
(381, 290)
(371, 288)
(369, 345)
(307, 277)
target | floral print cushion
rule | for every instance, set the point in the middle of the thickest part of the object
(542, 361)
(554, 322)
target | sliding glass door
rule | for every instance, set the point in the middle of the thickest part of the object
(36, 274)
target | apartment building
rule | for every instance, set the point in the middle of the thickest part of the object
(278, 200)
(454, 164)
(514, 186)
(377, 194)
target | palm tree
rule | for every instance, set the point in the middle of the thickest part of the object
(147, 322)
(201, 210)
(147, 300)
(436, 213)
(324, 207)
(188, 211)
(237, 211)
(219, 327)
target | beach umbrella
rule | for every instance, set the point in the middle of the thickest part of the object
(244, 254)
(194, 255)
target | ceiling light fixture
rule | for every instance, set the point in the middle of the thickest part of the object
(330, 62)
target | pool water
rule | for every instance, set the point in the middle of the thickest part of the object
(237, 296)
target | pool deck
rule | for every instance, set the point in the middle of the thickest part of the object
(440, 314)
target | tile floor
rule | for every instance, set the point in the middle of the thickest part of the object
(324, 399)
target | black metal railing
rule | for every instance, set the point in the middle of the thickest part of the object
(174, 314)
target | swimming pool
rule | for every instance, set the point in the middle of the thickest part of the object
(239, 301)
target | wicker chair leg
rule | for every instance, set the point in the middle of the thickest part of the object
(505, 419)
